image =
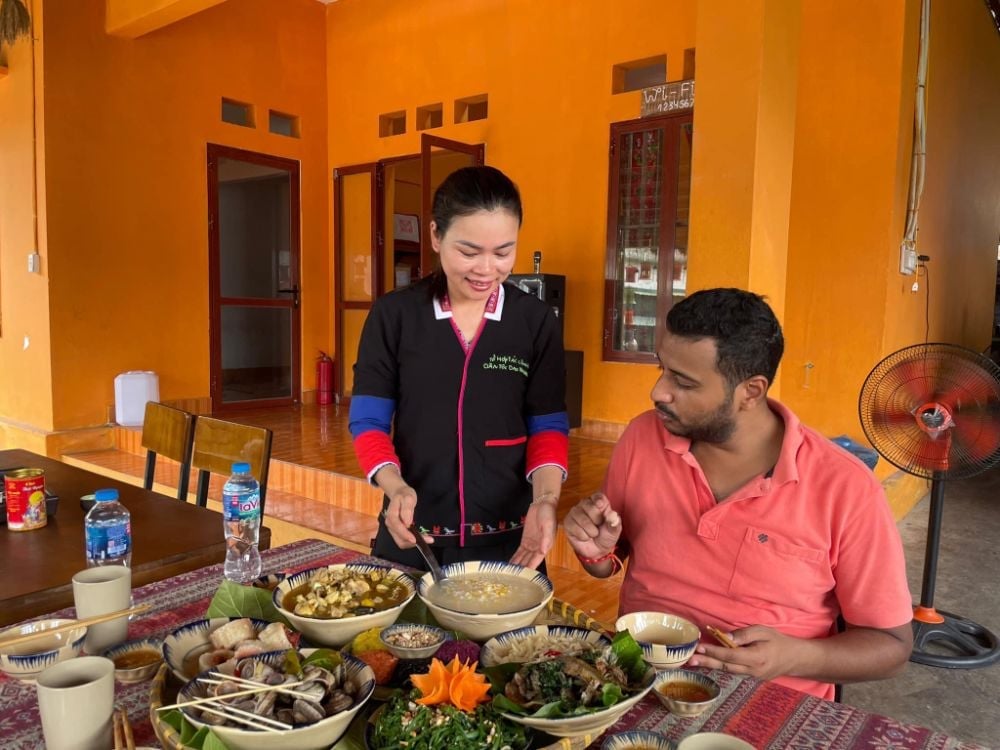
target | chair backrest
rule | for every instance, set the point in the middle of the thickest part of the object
(169, 432)
(219, 444)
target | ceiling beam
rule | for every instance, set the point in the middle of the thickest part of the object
(133, 18)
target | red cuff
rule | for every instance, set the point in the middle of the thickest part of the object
(549, 447)
(374, 448)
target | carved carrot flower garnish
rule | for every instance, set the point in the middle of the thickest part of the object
(458, 684)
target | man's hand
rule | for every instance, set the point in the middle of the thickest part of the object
(538, 534)
(761, 652)
(593, 527)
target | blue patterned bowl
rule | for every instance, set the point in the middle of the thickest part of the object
(683, 706)
(183, 646)
(667, 640)
(481, 626)
(340, 631)
(396, 637)
(27, 660)
(517, 645)
(147, 652)
(636, 740)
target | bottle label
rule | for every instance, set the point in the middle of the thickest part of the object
(106, 543)
(241, 507)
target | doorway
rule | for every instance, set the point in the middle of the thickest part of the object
(382, 212)
(254, 266)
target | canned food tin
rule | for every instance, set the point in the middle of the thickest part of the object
(25, 490)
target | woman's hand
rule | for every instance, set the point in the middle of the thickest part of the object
(593, 526)
(538, 534)
(398, 515)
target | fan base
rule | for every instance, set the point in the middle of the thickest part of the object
(974, 646)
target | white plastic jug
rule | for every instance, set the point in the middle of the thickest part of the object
(132, 390)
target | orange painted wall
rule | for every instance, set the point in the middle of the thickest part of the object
(129, 120)
(25, 382)
(547, 69)
(960, 209)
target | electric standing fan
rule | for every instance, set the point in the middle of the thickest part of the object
(933, 410)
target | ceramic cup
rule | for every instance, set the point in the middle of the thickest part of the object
(75, 700)
(97, 591)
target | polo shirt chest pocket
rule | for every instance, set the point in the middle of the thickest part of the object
(777, 570)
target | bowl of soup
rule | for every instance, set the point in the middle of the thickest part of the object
(685, 692)
(483, 598)
(331, 604)
(667, 640)
(26, 660)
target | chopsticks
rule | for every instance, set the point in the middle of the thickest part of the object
(123, 730)
(87, 621)
(721, 637)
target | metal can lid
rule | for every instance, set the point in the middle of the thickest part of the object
(25, 473)
(105, 495)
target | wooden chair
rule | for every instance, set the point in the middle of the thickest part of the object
(219, 444)
(167, 431)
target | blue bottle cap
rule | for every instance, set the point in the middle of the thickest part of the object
(241, 468)
(105, 495)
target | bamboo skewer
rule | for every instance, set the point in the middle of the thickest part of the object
(87, 622)
(237, 694)
(250, 683)
(257, 722)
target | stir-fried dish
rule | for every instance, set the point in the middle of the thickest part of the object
(342, 592)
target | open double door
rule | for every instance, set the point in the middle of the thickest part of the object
(381, 216)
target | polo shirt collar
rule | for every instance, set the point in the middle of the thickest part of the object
(785, 470)
(493, 311)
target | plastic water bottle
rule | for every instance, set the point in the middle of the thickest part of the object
(241, 511)
(108, 530)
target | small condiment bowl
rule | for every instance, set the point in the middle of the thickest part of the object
(28, 660)
(713, 741)
(412, 641)
(636, 740)
(136, 660)
(685, 681)
(667, 640)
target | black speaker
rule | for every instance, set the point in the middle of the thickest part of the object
(548, 287)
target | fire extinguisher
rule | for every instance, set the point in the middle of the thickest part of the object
(324, 379)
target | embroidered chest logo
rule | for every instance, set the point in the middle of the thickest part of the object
(762, 538)
(508, 362)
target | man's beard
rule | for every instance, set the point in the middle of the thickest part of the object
(716, 427)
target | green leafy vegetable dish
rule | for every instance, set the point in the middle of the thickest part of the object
(403, 723)
(563, 686)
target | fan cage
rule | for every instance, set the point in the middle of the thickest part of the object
(933, 410)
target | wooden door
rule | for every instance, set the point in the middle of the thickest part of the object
(253, 270)
(439, 158)
(358, 252)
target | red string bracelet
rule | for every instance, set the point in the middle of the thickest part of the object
(616, 563)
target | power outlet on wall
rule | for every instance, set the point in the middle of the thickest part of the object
(907, 259)
(34, 263)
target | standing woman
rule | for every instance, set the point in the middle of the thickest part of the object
(458, 408)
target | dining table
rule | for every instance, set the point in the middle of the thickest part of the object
(762, 713)
(168, 537)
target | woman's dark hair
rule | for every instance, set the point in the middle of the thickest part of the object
(464, 192)
(747, 335)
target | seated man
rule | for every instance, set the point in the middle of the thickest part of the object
(734, 514)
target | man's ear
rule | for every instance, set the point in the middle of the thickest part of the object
(754, 391)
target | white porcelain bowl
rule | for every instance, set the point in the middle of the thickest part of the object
(512, 646)
(338, 632)
(680, 706)
(481, 627)
(636, 739)
(319, 736)
(667, 640)
(713, 741)
(395, 637)
(593, 723)
(28, 660)
(143, 671)
(192, 640)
